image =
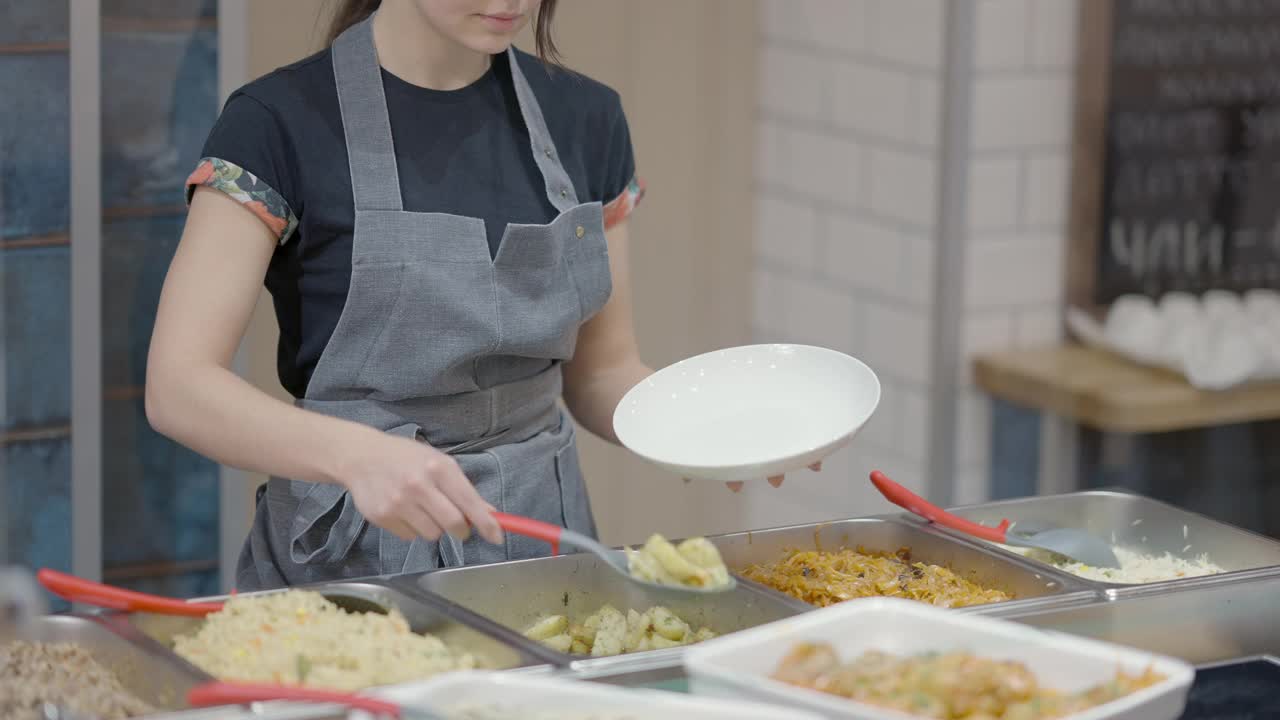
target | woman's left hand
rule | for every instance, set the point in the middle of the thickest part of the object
(776, 481)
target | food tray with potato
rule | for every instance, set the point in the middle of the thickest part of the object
(826, 563)
(589, 616)
(893, 658)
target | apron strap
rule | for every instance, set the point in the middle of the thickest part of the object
(365, 122)
(559, 187)
(367, 126)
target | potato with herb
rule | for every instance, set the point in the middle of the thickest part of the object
(693, 563)
(608, 632)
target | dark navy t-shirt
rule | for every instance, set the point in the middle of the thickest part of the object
(278, 148)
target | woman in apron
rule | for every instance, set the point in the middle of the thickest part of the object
(441, 221)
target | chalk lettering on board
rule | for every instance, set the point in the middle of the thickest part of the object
(1195, 128)
(1179, 249)
(1191, 175)
(1166, 9)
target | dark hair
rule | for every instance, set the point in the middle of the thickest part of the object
(351, 12)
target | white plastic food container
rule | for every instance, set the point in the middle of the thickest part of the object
(571, 699)
(740, 665)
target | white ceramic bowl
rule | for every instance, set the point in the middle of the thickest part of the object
(748, 412)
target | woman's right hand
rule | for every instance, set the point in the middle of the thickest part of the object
(413, 490)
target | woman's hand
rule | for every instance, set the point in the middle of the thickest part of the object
(776, 480)
(413, 490)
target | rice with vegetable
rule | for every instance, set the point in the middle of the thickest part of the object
(298, 637)
(1135, 567)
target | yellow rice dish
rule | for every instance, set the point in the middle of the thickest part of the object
(824, 578)
(693, 563)
(298, 637)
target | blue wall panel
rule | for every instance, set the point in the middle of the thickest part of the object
(33, 21)
(159, 99)
(35, 167)
(37, 335)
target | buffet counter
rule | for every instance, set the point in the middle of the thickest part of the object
(1229, 614)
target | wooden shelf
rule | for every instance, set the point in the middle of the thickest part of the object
(1105, 392)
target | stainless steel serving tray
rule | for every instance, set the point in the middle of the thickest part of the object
(1139, 522)
(369, 595)
(516, 594)
(1205, 623)
(146, 672)
(1030, 585)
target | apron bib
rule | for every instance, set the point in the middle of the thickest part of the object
(440, 342)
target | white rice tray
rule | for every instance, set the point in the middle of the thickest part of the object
(740, 665)
(516, 695)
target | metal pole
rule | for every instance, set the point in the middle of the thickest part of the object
(86, 288)
(952, 237)
(234, 491)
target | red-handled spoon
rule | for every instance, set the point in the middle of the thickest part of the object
(229, 693)
(616, 559)
(1075, 544)
(88, 592)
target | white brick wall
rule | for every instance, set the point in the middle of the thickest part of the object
(847, 182)
(848, 179)
(1018, 196)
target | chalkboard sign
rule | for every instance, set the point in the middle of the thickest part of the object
(1189, 188)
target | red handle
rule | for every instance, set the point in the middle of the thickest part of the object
(529, 527)
(220, 693)
(79, 590)
(904, 498)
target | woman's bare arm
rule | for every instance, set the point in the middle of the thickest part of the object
(607, 362)
(194, 397)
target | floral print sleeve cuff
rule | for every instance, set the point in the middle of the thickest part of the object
(245, 187)
(620, 207)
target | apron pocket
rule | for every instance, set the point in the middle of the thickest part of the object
(573, 490)
(327, 522)
(325, 527)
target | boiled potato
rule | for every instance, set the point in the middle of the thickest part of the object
(701, 552)
(547, 627)
(608, 632)
(561, 643)
(668, 625)
(611, 633)
(694, 563)
(660, 643)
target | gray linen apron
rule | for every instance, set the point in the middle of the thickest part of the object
(440, 342)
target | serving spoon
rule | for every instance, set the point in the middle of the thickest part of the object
(1069, 542)
(615, 559)
(88, 592)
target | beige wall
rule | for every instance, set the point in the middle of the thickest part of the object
(686, 72)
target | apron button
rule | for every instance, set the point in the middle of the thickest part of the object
(547, 151)
(564, 193)
(580, 231)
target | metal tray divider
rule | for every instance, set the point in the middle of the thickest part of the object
(117, 623)
(407, 584)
